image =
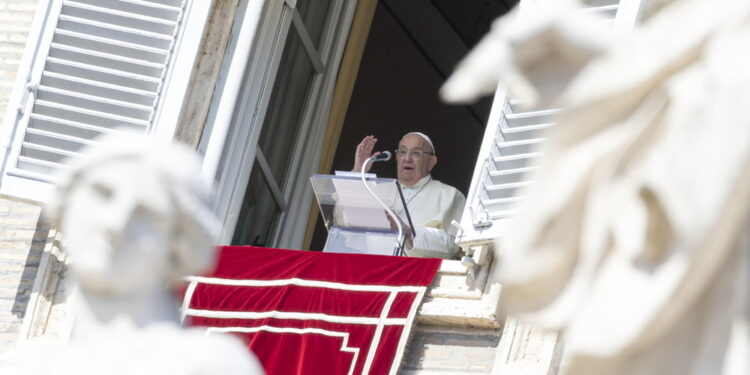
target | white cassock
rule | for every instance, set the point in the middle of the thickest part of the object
(432, 206)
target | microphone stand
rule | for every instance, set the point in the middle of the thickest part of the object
(399, 249)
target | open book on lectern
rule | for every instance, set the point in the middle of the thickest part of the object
(357, 222)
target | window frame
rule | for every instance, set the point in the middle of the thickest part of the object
(229, 143)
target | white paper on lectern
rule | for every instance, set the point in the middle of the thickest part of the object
(357, 207)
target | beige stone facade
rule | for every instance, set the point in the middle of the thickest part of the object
(23, 235)
(15, 23)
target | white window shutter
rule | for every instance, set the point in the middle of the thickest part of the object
(97, 66)
(510, 147)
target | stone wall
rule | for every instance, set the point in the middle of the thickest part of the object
(460, 329)
(23, 235)
(436, 349)
(15, 23)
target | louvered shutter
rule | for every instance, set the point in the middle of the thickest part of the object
(510, 148)
(99, 66)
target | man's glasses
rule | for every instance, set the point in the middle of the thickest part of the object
(414, 154)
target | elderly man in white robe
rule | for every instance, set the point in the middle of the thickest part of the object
(431, 203)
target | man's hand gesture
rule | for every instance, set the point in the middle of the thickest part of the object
(364, 152)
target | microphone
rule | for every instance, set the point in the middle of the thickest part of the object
(383, 156)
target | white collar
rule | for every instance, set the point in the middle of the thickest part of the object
(422, 181)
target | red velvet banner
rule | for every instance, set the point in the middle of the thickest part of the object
(304, 312)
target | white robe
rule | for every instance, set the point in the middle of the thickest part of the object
(432, 206)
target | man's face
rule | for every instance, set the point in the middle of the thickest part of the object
(409, 169)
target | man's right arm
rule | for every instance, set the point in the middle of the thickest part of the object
(436, 238)
(433, 243)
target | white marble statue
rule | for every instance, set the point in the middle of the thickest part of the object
(634, 241)
(135, 216)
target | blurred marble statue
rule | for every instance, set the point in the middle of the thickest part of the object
(634, 242)
(135, 217)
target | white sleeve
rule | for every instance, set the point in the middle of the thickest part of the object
(432, 243)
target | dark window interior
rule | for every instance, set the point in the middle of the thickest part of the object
(412, 48)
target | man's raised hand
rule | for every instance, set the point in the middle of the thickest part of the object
(364, 152)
